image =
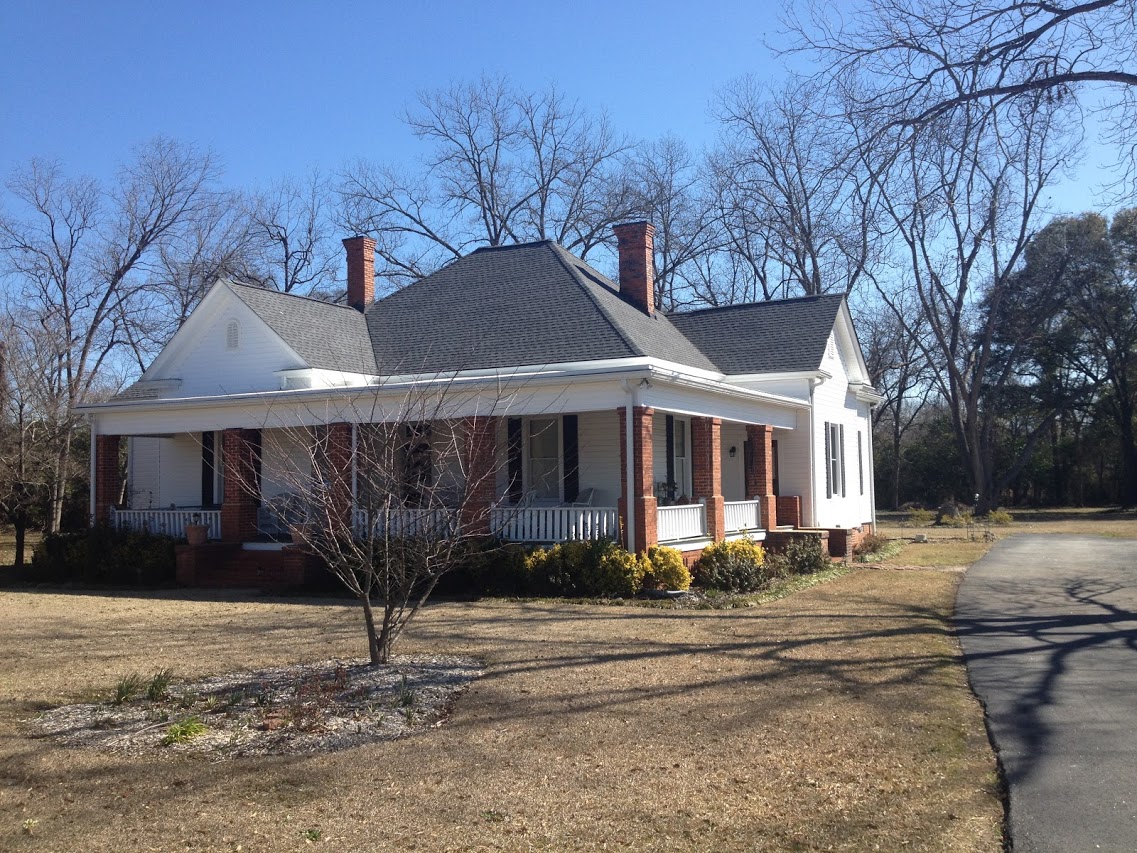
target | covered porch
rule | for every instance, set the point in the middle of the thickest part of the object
(551, 478)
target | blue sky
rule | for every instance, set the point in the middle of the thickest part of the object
(275, 88)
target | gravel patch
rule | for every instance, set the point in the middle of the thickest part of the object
(321, 707)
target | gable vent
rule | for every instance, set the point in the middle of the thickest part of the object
(232, 340)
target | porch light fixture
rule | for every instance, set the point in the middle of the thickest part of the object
(733, 451)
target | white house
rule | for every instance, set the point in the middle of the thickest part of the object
(748, 420)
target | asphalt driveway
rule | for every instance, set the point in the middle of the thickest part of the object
(1049, 629)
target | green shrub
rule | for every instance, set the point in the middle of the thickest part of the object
(921, 517)
(103, 556)
(1000, 517)
(183, 731)
(666, 569)
(732, 566)
(804, 556)
(491, 567)
(126, 688)
(159, 686)
(871, 544)
(599, 568)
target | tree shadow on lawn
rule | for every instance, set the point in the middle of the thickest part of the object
(624, 677)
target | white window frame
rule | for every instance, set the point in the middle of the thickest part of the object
(836, 459)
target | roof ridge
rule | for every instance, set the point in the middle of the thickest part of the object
(758, 304)
(272, 292)
(558, 249)
(526, 245)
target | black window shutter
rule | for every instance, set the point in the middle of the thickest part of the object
(841, 448)
(516, 489)
(207, 468)
(669, 421)
(828, 463)
(572, 458)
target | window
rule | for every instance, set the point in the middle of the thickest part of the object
(544, 459)
(860, 462)
(834, 460)
(681, 486)
(232, 339)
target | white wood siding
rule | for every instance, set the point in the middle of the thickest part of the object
(794, 476)
(733, 470)
(835, 404)
(205, 365)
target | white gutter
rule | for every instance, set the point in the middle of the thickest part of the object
(649, 368)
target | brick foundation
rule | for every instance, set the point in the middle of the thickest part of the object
(789, 510)
(227, 565)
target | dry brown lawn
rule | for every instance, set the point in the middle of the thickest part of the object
(836, 719)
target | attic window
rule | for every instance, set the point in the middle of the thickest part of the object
(232, 339)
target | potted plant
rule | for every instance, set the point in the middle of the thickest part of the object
(196, 532)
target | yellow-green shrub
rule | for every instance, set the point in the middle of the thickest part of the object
(1000, 517)
(921, 517)
(732, 566)
(615, 574)
(666, 569)
(600, 568)
(961, 520)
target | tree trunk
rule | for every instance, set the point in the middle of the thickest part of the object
(21, 526)
(59, 487)
(374, 649)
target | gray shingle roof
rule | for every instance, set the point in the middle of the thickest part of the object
(533, 303)
(782, 336)
(326, 336)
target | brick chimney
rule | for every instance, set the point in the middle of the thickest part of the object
(636, 266)
(360, 271)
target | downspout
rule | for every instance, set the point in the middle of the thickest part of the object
(629, 467)
(91, 475)
(872, 473)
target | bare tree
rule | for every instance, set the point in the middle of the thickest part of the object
(899, 369)
(291, 235)
(790, 175)
(963, 198)
(424, 479)
(924, 61)
(505, 166)
(76, 255)
(668, 187)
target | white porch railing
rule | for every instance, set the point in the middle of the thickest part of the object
(166, 522)
(687, 521)
(408, 522)
(554, 523)
(742, 515)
